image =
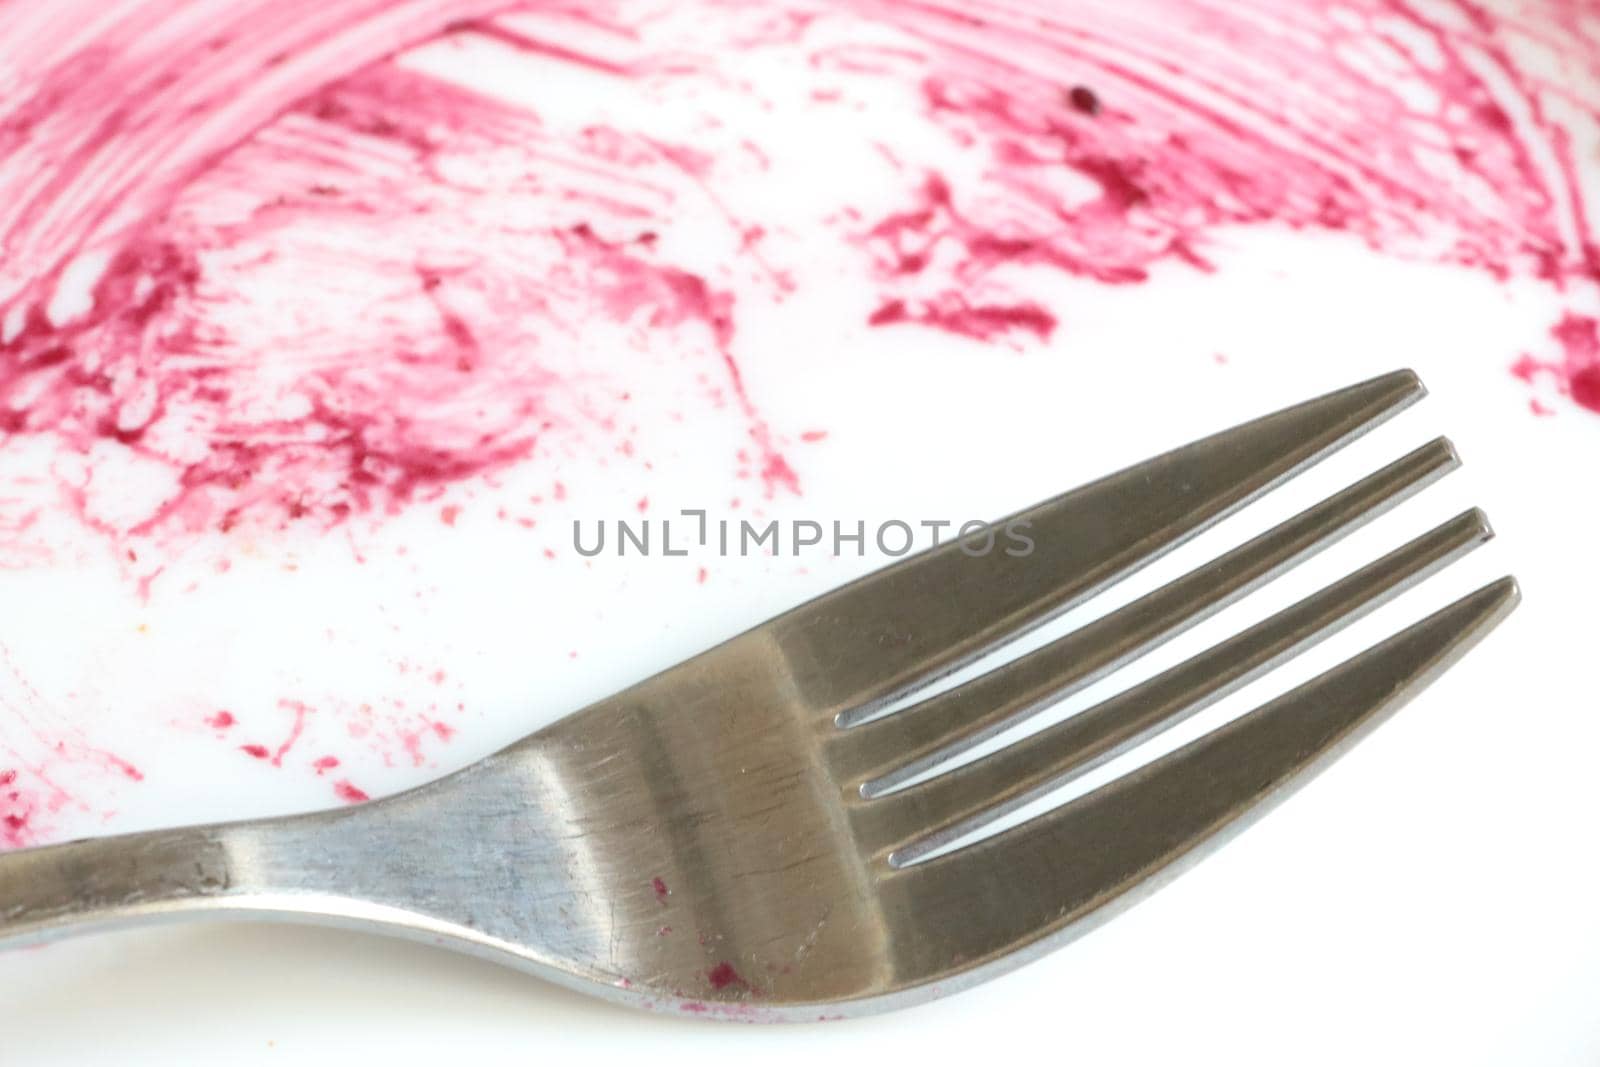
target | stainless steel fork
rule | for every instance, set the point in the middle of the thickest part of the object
(755, 834)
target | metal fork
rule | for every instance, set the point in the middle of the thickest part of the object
(750, 834)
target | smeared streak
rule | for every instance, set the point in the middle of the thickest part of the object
(674, 297)
(186, 178)
(982, 323)
(115, 763)
(421, 368)
(297, 727)
(1119, 135)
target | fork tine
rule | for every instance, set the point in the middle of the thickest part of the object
(892, 749)
(948, 806)
(1102, 851)
(877, 638)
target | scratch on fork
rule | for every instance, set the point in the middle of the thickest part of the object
(611, 949)
(811, 940)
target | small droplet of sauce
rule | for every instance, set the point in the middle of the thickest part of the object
(723, 975)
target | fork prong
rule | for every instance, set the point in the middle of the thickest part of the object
(893, 749)
(881, 636)
(951, 805)
(1089, 858)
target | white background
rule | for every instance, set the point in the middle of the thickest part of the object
(1429, 899)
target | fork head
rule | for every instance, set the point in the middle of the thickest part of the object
(749, 834)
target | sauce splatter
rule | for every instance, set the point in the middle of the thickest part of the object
(470, 249)
(491, 271)
(1577, 373)
(724, 975)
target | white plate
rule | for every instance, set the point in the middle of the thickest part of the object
(1429, 898)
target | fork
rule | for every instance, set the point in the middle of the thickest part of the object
(768, 832)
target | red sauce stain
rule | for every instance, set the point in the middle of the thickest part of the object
(162, 190)
(325, 763)
(1576, 374)
(660, 889)
(222, 720)
(420, 381)
(168, 368)
(954, 314)
(123, 767)
(16, 811)
(1579, 336)
(724, 975)
(349, 793)
(296, 728)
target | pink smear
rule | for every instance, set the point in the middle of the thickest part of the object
(1576, 374)
(660, 888)
(296, 728)
(349, 793)
(278, 139)
(13, 830)
(261, 272)
(175, 164)
(16, 810)
(122, 767)
(222, 720)
(723, 975)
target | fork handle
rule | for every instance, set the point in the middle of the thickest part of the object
(104, 883)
